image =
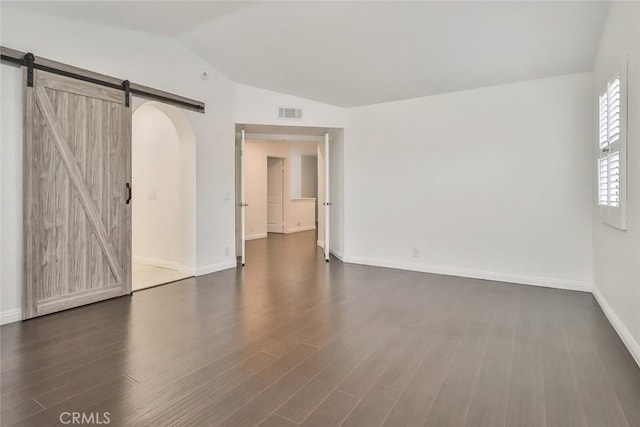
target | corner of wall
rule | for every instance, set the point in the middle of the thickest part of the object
(615, 274)
(213, 268)
(625, 335)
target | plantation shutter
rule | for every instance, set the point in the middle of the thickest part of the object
(612, 152)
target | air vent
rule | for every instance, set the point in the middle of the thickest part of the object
(288, 113)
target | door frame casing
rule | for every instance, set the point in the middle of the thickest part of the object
(285, 132)
(327, 200)
(243, 204)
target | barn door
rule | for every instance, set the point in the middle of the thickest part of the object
(77, 211)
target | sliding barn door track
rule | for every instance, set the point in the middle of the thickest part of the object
(31, 62)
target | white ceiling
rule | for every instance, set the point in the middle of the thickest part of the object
(358, 53)
(168, 18)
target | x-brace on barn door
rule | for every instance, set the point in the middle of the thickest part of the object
(77, 175)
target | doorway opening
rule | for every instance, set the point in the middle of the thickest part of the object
(282, 189)
(163, 202)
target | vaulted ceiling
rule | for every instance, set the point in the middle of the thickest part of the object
(358, 53)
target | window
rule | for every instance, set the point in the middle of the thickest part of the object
(611, 165)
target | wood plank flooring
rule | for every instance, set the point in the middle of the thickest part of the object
(290, 340)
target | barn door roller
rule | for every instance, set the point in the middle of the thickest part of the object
(28, 62)
(126, 86)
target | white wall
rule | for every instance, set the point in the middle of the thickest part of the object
(299, 215)
(181, 230)
(617, 253)
(295, 176)
(156, 222)
(309, 176)
(11, 185)
(260, 106)
(143, 58)
(188, 184)
(492, 182)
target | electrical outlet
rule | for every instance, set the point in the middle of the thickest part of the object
(151, 195)
(416, 252)
(227, 251)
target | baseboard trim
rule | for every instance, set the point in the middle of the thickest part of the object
(622, 331)
(187, 269)
(547, 282)
(337, 254)
(212, 268)
(171, 265)
(10, 316)
(256, 236)
(299, 229)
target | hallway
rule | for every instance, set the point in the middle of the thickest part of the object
(291, 340)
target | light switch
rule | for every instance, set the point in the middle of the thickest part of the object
(151, 195)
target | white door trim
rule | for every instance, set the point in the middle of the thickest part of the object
(243, 205)
(327, 199)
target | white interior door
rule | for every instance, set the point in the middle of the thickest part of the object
(327, 199)
(275, 193)
(243, 205)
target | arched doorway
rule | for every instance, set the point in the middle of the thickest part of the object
(163, 184)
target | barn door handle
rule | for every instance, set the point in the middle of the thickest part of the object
(128, 193)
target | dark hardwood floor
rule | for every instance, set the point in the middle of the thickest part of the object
(290, 340)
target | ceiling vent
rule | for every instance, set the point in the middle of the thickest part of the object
(288, 113)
